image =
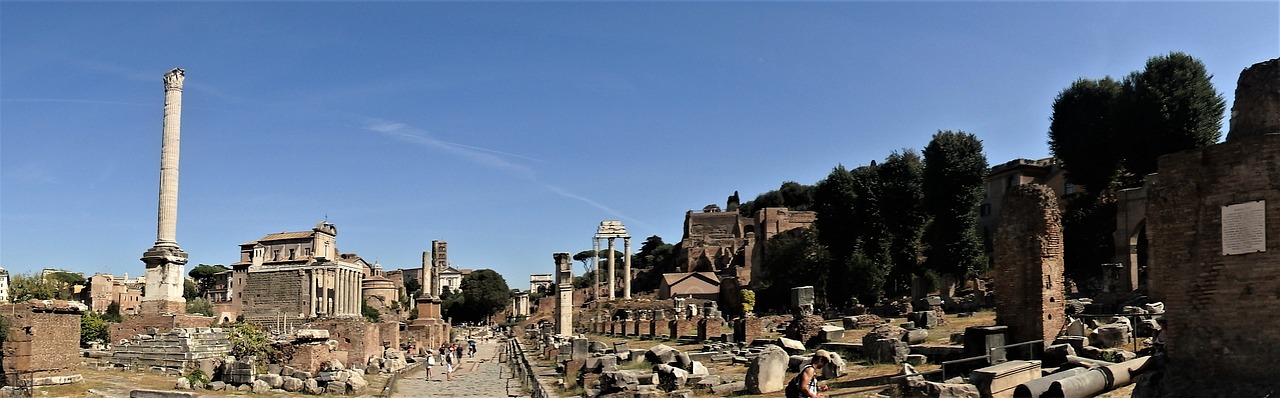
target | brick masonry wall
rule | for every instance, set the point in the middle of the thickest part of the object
(144, 323)
(1028, 264)
(1220, 309)
(39, 344)
(267, 295)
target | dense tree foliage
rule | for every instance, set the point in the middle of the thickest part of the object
(791, 194)
(113, 313)
(902, 208)
(413, 288)
(1169, 106)
(204, 276)
(955, 171)
(370, 314)
(93, 328)
(484, 292)
(1082, 132)
(23, 287)
(1108, 134)
(796, 258)
(199, 305)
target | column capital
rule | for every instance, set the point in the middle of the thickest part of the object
(173, 79)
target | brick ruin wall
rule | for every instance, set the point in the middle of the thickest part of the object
(1220, 309)
(41, 346)
(1028, 264)
(151, 323)
(268, 295)
(361, 340)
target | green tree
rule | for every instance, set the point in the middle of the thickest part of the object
(790, 194)
(205, 276)
(955, 171)
(413, 287)
(370, 314)
(837, 219)
(248, 339)
(869, 263)
(189, 289)
(93, 328)
(585, 257)
(796, 258)
(113, 313)
(902, 207)
(23, 287)
(1082, 133)
(199, 305)
(1169, 106)
(484, 293)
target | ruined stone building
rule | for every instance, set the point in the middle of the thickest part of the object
(41, 343)
(291, 277)
(730, 244)
(1213, 221)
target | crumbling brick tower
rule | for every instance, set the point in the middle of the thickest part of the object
(1213, 222)
(1028, 270)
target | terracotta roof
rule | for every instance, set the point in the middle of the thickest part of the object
(282, 236)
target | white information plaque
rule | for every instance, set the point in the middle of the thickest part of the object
(1244, 228)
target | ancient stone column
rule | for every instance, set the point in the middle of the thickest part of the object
(425, 277)
(165, 260)
(312, 293)
(612, 293)
(564, 296)
(595, 264)
(626, 268)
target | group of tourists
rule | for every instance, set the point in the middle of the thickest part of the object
(451, 356)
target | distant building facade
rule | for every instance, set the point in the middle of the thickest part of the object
(1011, 174)
(289, 277)
(104, 289)
(4, 285)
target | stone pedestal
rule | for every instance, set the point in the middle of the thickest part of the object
(164, 281)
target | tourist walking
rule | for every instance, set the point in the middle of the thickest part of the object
(805, 384)
(431, 361)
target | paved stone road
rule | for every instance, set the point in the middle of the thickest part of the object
(482, 376)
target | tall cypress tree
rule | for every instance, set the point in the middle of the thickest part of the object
(955, 171)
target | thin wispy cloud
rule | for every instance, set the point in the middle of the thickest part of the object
(485, 157)
(73, 101)
(30, 172)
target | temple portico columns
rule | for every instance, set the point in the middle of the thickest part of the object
(626, 267)
(612, 288)
(312, 293)
(595, 265)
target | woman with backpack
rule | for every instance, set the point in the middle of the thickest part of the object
(805, 384)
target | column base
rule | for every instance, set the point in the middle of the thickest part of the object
(162, 307)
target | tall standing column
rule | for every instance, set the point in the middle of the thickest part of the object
(626, 267)
(595, 265)
(165, 260)
(312, 293)
(612, 292)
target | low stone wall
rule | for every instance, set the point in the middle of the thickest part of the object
(179, 349)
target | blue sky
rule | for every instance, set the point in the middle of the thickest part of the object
(511, 130)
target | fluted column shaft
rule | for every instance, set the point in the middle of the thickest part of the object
(167, 220)
(595, 265)
(626, 267)
(612, 293)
